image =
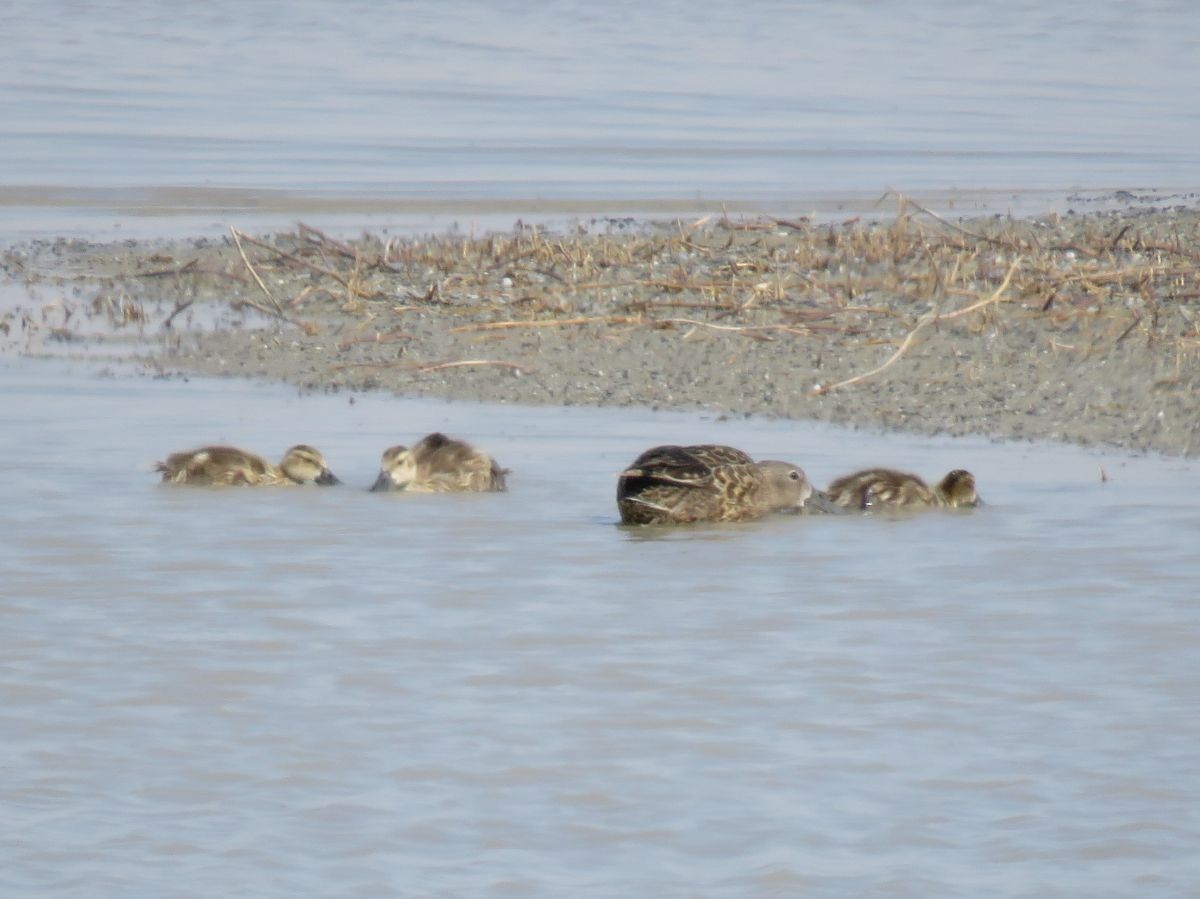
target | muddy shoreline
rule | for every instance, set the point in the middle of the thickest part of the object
(1080, 327)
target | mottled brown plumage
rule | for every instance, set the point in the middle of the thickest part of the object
(681, 484)
(228, 466)
(878, 488)
(439, 464)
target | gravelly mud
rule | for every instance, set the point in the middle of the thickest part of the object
(1080, 328)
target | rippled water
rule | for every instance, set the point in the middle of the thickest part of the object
(331, 692)
(105, 104)
(328, 692)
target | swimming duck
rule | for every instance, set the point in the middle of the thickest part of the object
(679, 484)
(882, 487)
(227, 465)
(439, 464)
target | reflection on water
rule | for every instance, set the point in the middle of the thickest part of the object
(331, 692)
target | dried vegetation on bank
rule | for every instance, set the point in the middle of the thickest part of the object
(911, 304)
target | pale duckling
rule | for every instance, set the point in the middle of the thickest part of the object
(439, 464)
(227, 465)
(877, 488)
(681, 484)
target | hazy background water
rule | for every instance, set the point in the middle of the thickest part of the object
(330, 692)
(105, 104)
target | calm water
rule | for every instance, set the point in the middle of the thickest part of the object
(330, 692)
(104, 104)
(327, 692)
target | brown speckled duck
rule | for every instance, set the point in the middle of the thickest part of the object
(439, 464)
(878, 488)
(228, 465)
(681, 484)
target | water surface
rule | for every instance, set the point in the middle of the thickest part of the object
(621, 104)
(331, 692)
(328, 692)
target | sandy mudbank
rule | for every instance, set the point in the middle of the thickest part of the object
(1081, 328)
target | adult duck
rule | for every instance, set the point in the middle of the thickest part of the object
(707, 482)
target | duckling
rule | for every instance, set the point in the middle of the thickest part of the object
(882, 487)
(680, 484)
(227, 465)
(957, 490)
(439, 464)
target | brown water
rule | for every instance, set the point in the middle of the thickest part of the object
(332, 692)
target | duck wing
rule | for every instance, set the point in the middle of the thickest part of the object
(714, 454)
(669, 465)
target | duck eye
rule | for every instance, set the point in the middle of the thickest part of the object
(794, 475)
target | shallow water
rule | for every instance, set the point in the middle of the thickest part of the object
(622, 103)
(331, 692)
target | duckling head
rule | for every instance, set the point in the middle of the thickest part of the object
(397, 469)
(302, 464)
(958, 489)
(785, 485)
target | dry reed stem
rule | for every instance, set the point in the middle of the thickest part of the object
(994, 298)
(311, 233)
(677, 304)
(237, 239)
(1141, 272)
(179, 307)
(1137, 320)
(190, 269)
(926, 319)
(553, 323)
(752, 331)
(320, 269)
(185, 269)
(258, 307)
(905, 201)
(737, 270)
(461, 363)
(342, 366)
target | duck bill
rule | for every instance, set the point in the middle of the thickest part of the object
(383, 484)
(822, 504)
(327, 478)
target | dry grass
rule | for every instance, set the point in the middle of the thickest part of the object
(754, 277)
(764, 279)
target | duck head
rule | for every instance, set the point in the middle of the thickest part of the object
(958, 489)
(785, 485)
(789, 489)
(397, 469)
(302, 464)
